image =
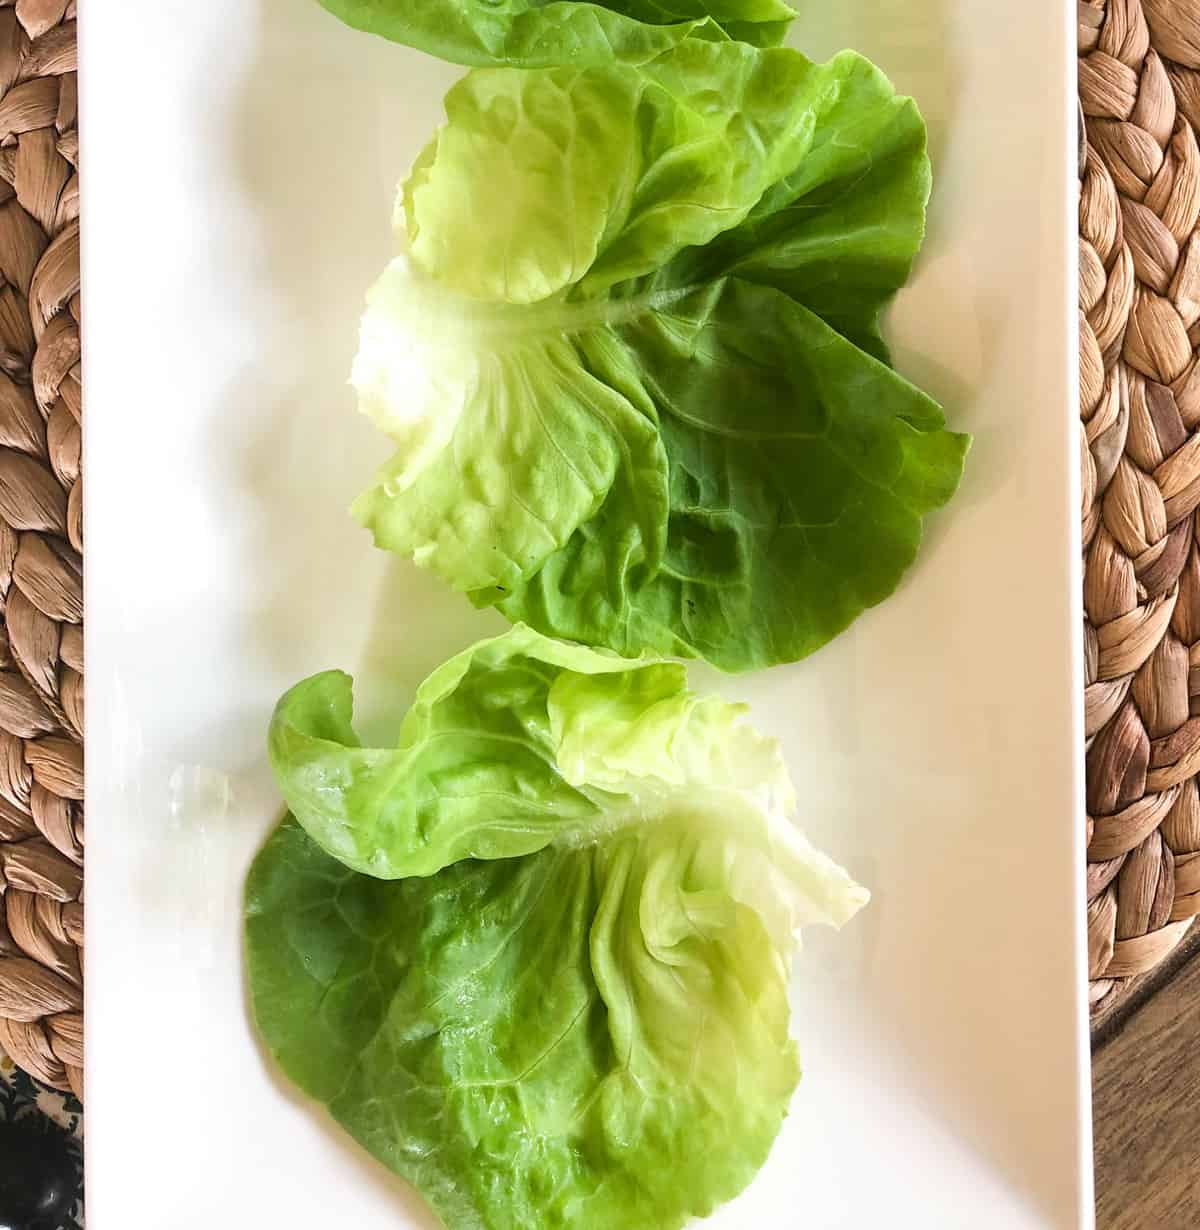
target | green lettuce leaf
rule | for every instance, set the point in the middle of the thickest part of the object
(515, 743)
(642, 400)
(529, 34)
(580, 1018)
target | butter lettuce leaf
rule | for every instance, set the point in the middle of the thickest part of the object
(642, 400)
(527, 34)
(518, 742)
(560, 996)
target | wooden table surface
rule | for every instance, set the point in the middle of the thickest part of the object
(1146, 1107)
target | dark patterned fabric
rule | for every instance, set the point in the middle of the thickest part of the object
(23, 1100)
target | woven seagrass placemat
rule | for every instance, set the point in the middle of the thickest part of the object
(1140, 410)
(41, 576)
(1139, 89)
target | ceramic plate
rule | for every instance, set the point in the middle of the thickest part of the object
(241, 161)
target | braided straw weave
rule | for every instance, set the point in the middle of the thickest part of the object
(1139, 88)
(41, 575)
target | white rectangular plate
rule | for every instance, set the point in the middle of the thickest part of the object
(240, 172)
